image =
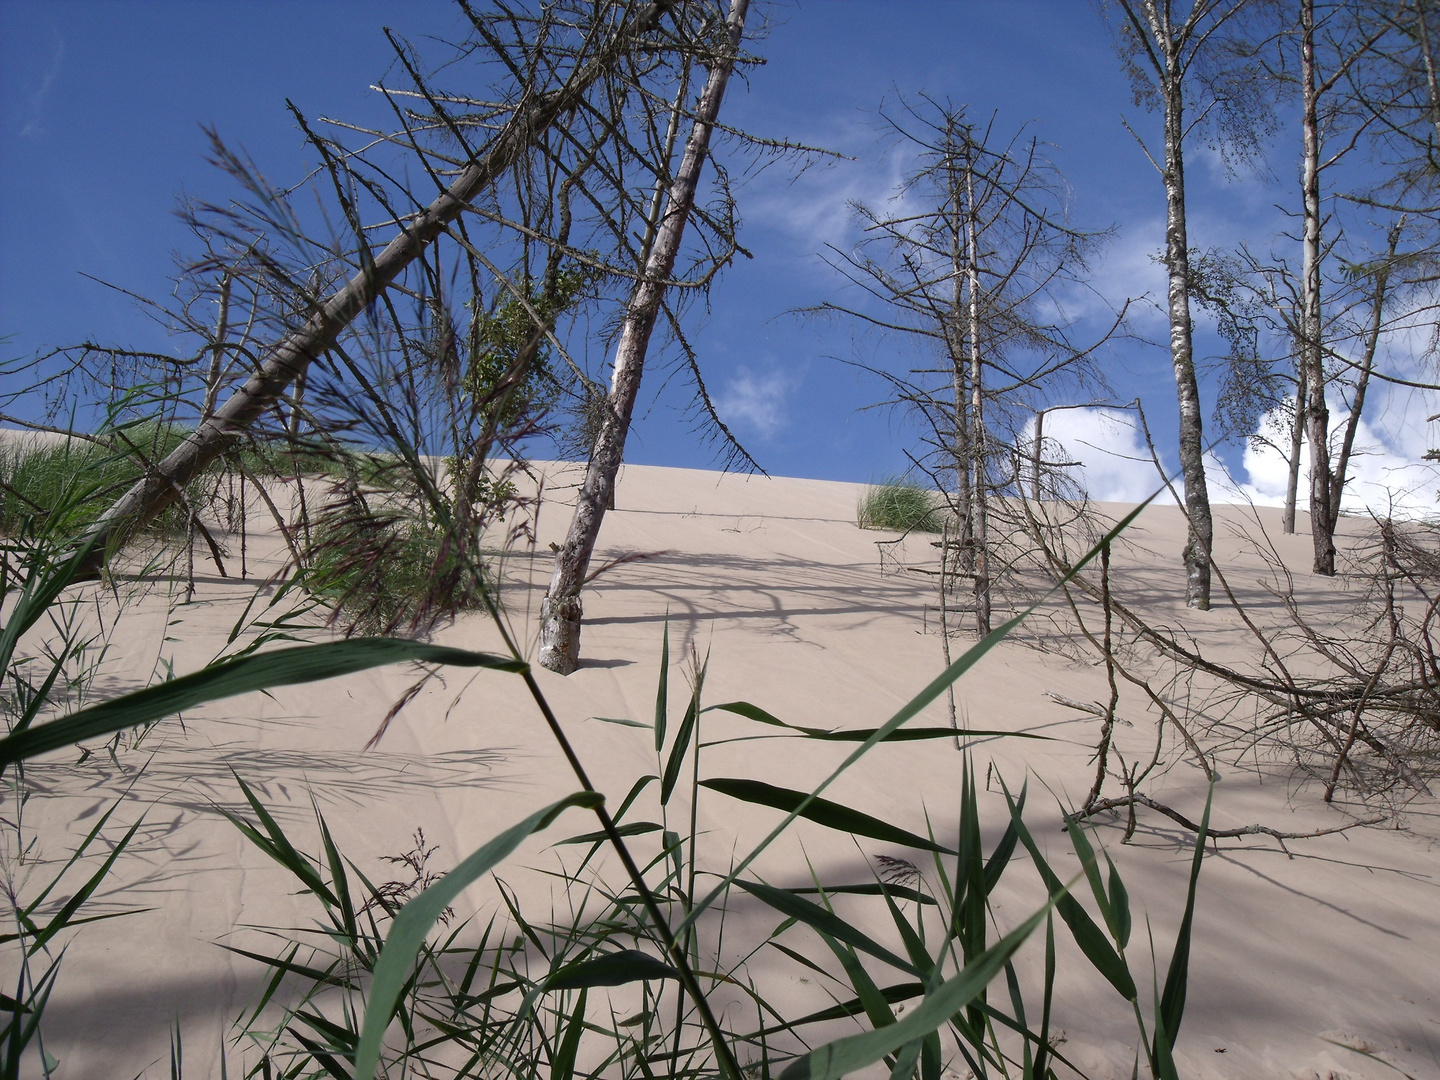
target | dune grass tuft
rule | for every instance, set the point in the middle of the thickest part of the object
(900, 505)
(60, 487)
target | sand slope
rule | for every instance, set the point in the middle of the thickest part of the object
(1336, 938)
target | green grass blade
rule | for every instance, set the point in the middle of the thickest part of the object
(612, 969)
(277, 845)
(759, 715)
(407, 934)
(877, 1009)
(662, 693)
(843, 1056)
(562, 1067)
(1119, 904)
(907, 712)
(821, 811)
(635, 828)
(63, 917)
(846, 1009)
(678, 749)
(284, 667)
(1172, 1001)
(824, 922)
(1085, 851)
(869, 888)
(1087, 934)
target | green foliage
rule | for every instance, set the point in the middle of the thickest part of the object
(63, 486)
(901, 506)
(389, 564)
(507, 368)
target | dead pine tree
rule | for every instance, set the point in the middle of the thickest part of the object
(583, 52)
(561, 610)
(964, 266)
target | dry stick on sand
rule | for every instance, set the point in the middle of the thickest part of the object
(1218, 834)
(1168, 645)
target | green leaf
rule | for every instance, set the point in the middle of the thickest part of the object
(824, 922)
(662, 694)
(563, 1065)
(683, 738)
(759, 715)
(869, 888)
(821, 811)
(618, 720)
(407, 934)
(637, 828)
(611, 969)
(1120, 905)
(1092, 941)
(1172, 1001)
(284, 667)
(843, 1056)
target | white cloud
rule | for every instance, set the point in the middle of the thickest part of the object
(1113, 462)
(814, 208)
(35, 101)
(1387, 473)
(756, 402)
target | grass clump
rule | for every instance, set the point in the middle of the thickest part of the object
(60, 487)
(387, 559)
(900, 505)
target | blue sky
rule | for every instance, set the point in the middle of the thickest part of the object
(102, 103)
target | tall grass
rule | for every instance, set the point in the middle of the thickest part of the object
(901, 506)
(63, 485)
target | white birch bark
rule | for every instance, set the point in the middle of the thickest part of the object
(1317, 413)
(978, 447)
(1182, 356)
(561, 610)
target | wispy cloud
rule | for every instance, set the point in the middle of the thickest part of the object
(756, 403)
(33, 111)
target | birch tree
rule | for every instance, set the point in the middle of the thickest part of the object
(1171, 54)
(562, 609)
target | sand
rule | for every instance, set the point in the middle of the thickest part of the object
(1297, 946)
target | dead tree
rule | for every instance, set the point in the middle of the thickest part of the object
(561, 610)
(580, 54)
(964, 269)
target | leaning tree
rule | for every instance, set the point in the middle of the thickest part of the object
(466, 231)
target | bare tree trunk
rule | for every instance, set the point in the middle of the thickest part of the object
(978, 446)
(279, 365)
(1317, 413)
(1037, 455)
(1297, 440)
(561, 610)
(1192, 440)
(1371, 342)
(217, 351)
(956, 338)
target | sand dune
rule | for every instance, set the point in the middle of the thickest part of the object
(1330, 938)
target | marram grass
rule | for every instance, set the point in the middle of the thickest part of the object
(900, 506)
